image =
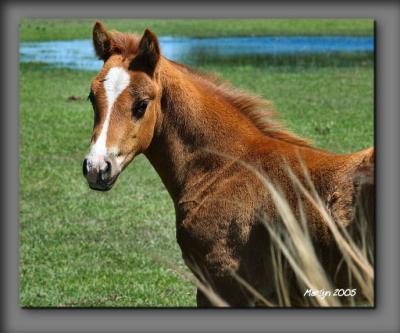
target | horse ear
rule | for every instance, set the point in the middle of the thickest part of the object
(148, 54)
(102, 41)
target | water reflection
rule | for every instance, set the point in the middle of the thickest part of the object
(339, 50)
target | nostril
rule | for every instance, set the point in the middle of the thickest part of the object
(84, 167)
(108, 167)
(105, 173)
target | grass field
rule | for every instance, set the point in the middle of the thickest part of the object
(51, 29)
(83, 248)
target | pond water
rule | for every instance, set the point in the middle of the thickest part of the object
(79, 54)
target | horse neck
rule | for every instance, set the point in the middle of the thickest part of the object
(197, 128)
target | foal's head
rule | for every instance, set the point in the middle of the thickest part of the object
(125, 96)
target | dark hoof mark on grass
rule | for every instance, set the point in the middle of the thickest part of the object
(322, 130)
(73, 98)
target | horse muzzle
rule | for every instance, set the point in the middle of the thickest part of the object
(100, 173)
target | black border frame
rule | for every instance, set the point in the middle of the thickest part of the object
(382, 318)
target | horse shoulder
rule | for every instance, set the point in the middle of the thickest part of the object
(219, 222)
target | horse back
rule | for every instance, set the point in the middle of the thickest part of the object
(343, 182)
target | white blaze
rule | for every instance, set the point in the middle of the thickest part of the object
(115, 82)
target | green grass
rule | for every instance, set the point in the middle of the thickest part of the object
(83, 248)
(79, 247)
(56, 29)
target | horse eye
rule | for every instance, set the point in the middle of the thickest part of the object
(139, 108)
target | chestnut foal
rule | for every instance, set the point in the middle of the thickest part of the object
(205, 140)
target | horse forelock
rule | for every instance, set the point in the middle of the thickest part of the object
(126, 44)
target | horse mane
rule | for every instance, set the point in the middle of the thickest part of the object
(259, 111)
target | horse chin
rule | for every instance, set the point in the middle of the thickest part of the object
(104, 186)
(101, 187)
